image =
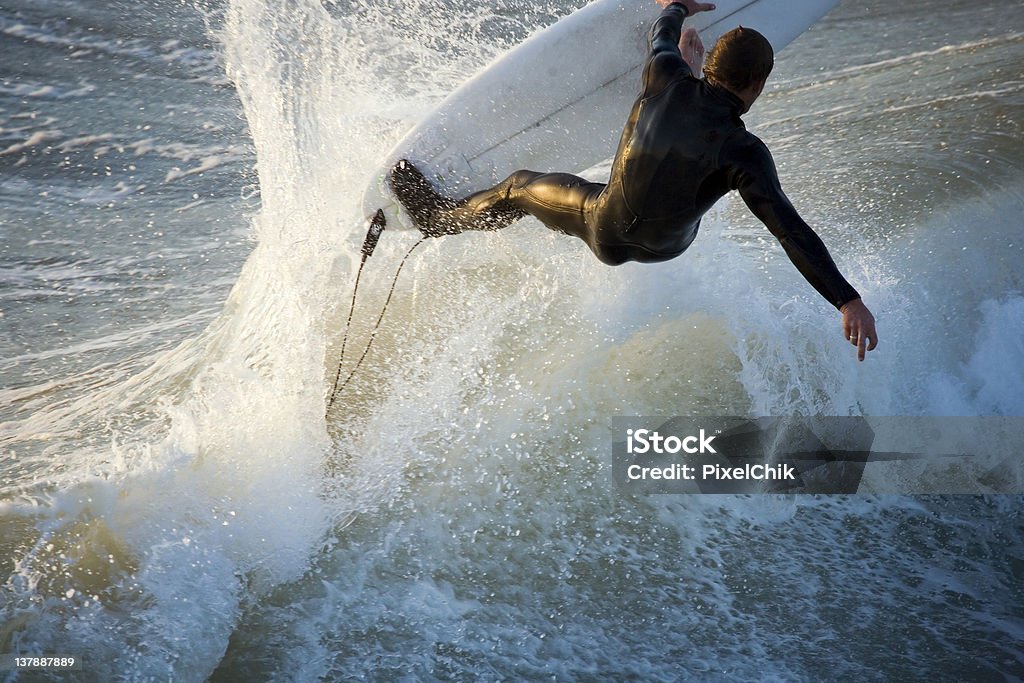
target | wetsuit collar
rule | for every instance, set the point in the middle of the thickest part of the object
(733, 101)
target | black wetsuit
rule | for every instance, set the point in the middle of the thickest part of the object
(683, 148)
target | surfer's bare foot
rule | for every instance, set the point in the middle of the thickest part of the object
(420, 199)
(692, 50)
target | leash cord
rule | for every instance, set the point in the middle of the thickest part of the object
(344, 338)
(376, 326)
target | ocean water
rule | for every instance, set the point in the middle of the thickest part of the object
(180, 220)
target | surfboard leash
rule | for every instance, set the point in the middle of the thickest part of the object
(377, 225)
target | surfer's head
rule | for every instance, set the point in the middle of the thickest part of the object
(740, 61)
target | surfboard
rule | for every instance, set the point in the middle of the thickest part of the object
(558, 101)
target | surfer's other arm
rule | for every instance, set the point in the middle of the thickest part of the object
(665, 59)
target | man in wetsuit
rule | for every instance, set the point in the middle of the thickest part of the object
(682, 149)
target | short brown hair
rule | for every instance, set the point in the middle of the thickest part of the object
(739, 59)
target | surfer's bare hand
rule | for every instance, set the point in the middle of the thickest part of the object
(692, 50)
(859, 327)
(691, 6)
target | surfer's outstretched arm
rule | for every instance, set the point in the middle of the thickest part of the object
(757, 180)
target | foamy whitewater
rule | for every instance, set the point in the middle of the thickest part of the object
(180, 187)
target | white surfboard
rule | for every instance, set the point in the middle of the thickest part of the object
(558, 101)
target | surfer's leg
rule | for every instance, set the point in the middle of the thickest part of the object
(558, 200)
(436, 215)
(418, 197)
(488, 209)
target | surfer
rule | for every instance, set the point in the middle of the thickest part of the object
(684, 147)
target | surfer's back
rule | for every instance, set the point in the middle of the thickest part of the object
(668, 170)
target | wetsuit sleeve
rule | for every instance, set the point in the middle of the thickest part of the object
(757, 180)
(664, 62)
